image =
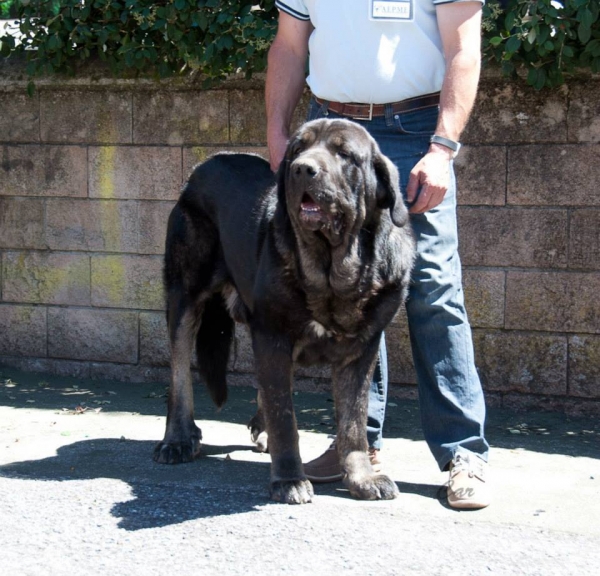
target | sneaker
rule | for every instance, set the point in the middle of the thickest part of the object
(326, 468)
(468, 488)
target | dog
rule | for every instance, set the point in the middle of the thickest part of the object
(316, 261)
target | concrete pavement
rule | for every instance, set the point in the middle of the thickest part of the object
(80, 494)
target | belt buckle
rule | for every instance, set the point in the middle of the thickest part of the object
(367, 119)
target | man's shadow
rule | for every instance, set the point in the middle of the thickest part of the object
(214, 484)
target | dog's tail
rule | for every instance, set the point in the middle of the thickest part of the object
(213, 343)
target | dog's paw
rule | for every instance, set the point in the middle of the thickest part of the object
(260, 440)
(292, 491)
(177, 452)
(375, 487)
(258, 434)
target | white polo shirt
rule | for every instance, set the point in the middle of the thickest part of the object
(354, 58)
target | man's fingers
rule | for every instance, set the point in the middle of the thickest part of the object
(412, 187)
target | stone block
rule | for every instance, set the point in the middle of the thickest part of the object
(583, 117)
(46, 278)
(553, 301)
(86, 116)
(521, 362)
(484, 297)
(92, 225)
(154, 340)
(130, 373)
(20, 118)
(101, 335)
(127, 281)
(584, 239)
(584, 366)
(33, 170)
(65, 368)
(186, 117)
(513, 237)
(23, 331)
(248, 117)
(399, 354)
(301, 111)
(153, 219)
(481, 175)
(553, 175)
(131, 172)
(198, 154)
(22, 223)
(511, 113)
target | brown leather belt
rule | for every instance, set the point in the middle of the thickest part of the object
(370, 111)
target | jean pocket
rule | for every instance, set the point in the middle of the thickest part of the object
(417, 122)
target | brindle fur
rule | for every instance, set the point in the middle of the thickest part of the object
(312, 289)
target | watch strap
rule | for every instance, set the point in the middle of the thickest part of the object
(442, 141)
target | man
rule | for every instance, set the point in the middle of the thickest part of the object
(407, 71)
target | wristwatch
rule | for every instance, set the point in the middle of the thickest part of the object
(442, 141)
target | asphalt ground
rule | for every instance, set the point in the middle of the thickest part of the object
(80, 494)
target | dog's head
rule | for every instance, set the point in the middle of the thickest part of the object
(334, 179)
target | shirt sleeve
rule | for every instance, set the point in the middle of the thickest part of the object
(295, 8)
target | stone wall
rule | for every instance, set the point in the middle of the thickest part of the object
(90, 169)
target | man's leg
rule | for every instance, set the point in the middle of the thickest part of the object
(450, 393)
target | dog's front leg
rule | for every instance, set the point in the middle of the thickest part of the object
(351, 384)
(273, 360)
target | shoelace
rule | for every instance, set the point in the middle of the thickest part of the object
(473, 466)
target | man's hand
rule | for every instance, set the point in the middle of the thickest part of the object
(277, 144)
(429, 180)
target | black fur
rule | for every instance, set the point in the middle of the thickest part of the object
(316, 262)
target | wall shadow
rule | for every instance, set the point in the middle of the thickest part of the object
(538, 431)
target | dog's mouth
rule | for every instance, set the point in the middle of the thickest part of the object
(314, 217)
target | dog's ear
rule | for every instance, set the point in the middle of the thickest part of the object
(388, 189)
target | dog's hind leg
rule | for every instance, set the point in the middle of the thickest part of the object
(258, 428)
(182, 437)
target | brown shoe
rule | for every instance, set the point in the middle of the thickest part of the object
(326, 468)
(468, 488)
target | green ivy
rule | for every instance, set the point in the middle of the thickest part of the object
(548, 40)
(216, 37)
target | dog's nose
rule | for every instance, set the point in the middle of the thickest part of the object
(306, 167)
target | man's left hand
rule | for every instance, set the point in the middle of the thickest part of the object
(429, 180)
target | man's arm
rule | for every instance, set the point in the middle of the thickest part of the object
(460, 29)
(285, 81)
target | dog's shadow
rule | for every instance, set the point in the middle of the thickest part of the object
(212, 485)
(215, 484)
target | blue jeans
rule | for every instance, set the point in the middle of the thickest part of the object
(450, 393)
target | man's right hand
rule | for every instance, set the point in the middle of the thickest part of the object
(277, 144)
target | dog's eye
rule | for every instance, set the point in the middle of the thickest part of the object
(348, 157)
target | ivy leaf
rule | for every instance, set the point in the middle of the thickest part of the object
(513, 44)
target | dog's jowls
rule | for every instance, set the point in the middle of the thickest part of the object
(316, 262)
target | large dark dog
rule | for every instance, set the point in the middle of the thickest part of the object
(316, 264)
